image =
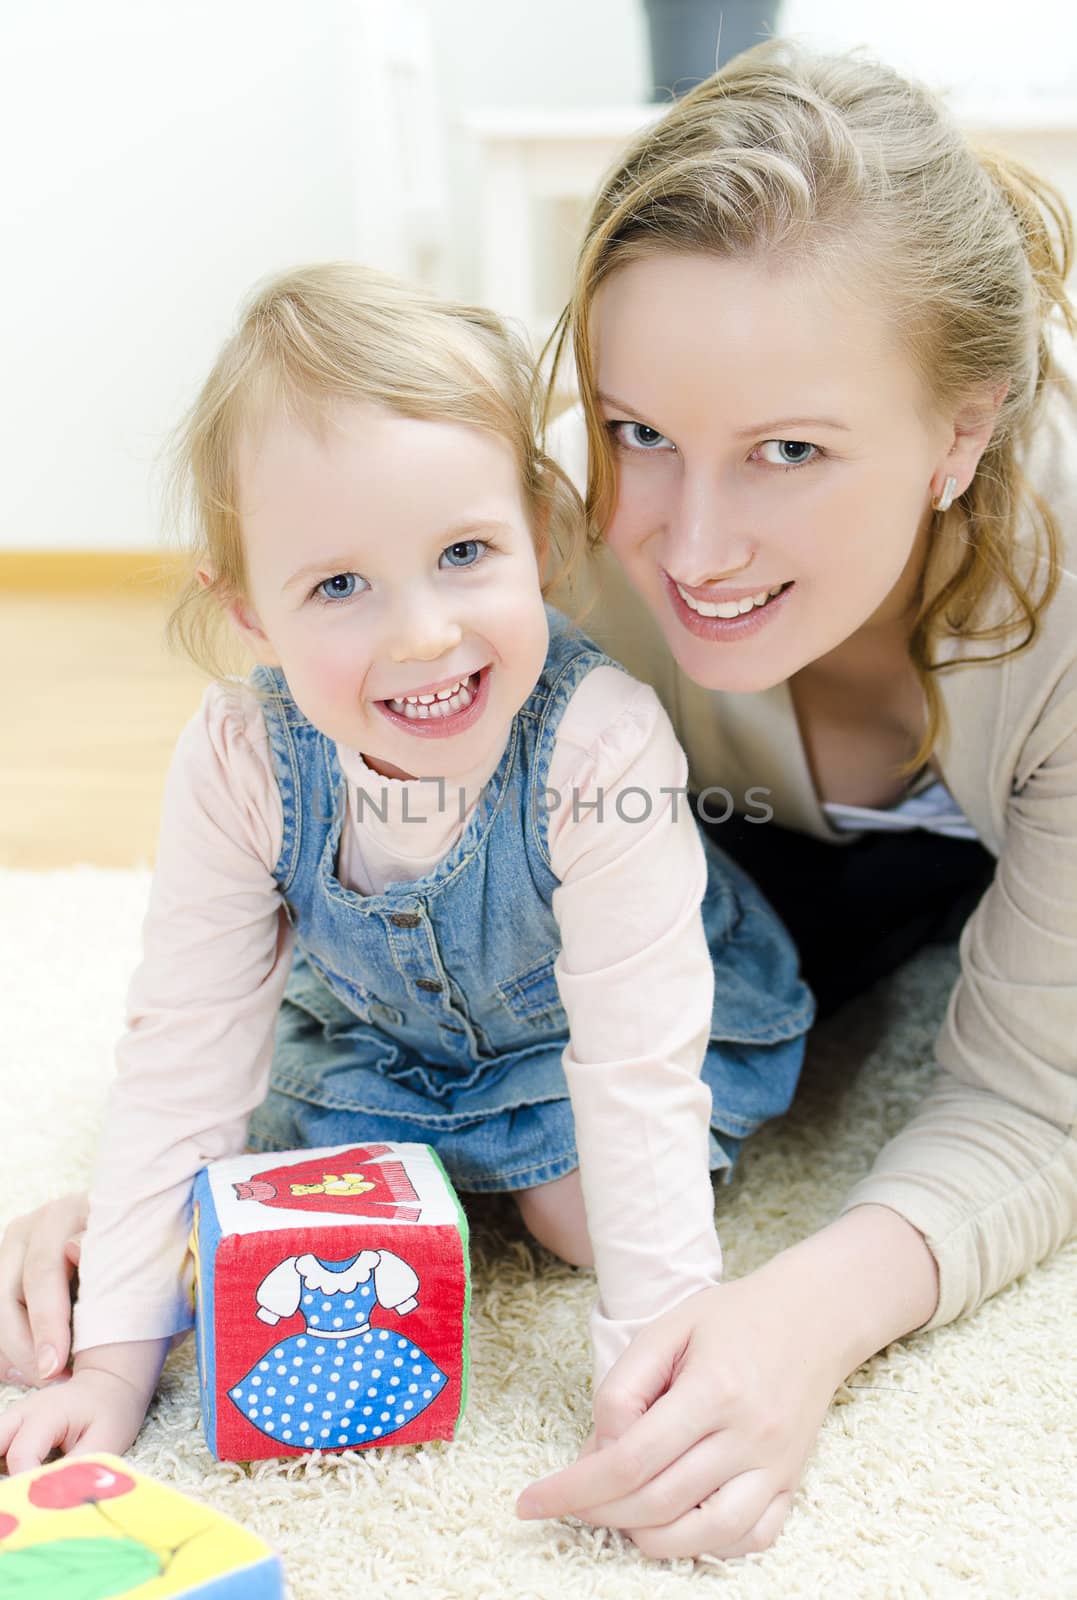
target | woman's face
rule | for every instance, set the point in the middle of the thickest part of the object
(772, 444)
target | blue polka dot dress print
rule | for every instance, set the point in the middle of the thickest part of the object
(342, 1383)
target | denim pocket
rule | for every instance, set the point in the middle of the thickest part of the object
(532, 995)
(311, 994)
(327, 1066)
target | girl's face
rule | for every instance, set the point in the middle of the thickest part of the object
(774, 452)
(390, 559)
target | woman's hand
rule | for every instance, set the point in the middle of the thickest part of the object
(38, 1254)
(703, 1426)
(708, 1419)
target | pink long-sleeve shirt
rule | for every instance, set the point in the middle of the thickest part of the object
(195, 1057)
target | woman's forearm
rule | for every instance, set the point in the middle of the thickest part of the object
(864, 1280)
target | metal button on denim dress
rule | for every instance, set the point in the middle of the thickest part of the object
(430, 1012)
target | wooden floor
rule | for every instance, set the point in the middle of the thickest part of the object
(91, 703)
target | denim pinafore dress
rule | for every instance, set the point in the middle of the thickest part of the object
(430, 1012)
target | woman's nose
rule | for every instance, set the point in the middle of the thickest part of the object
(704, 538)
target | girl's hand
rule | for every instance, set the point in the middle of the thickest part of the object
(38, 1253)
(703, 1426)
(94, 1410)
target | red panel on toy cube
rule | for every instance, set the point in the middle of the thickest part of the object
(333, 1295)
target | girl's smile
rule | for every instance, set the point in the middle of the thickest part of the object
(440, 710)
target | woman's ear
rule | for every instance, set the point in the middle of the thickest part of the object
(973, 426)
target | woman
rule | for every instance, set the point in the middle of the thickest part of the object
(814, 336)
(812, 333)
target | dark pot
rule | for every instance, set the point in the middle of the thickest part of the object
(685, 45)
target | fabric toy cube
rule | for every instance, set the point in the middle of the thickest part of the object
(332, 1295)
(91, 1527)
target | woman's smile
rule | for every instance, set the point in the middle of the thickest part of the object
(745, 612)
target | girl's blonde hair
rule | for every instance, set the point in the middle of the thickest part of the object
(838, 164)
(323, 334)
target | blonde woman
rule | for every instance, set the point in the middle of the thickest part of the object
(830, 450)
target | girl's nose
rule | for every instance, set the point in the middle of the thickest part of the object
(702, 541)
(423, 632)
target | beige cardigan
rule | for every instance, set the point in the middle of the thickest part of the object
(986, 1169)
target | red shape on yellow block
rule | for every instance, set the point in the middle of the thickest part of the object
(83, 1483)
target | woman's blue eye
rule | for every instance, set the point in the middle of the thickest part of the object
(639, 436)
(464, 553)
(327, 590)
(791, 452)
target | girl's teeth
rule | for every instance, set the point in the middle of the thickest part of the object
(729, 608)
(420, 707)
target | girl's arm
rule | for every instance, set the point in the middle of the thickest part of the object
(201, 1011)
(101, 1407)
(637, 983)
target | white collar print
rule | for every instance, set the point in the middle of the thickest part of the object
(325, 1278)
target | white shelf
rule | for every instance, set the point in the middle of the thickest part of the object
(528, 155)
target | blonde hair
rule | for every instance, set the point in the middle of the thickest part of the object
(839, 164)
(319, 335)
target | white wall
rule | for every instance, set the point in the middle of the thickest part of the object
(551, 53)
(167, 154)
(163, 155)
(983, 52)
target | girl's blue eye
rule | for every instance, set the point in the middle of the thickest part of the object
(639, 436)
(334, 593)
(791, 452)
(464, 553)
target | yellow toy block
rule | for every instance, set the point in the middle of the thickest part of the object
(92, 1528)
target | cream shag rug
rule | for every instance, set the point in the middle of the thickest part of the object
(952, 1470)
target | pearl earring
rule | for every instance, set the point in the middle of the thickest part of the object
(945, 500)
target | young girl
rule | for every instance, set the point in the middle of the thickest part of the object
(429, 873)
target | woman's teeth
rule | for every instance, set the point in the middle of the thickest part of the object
(730, 608)
(417, 707)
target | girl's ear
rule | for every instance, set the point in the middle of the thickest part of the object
(246, 622)
(543, 547)
(545, 554)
